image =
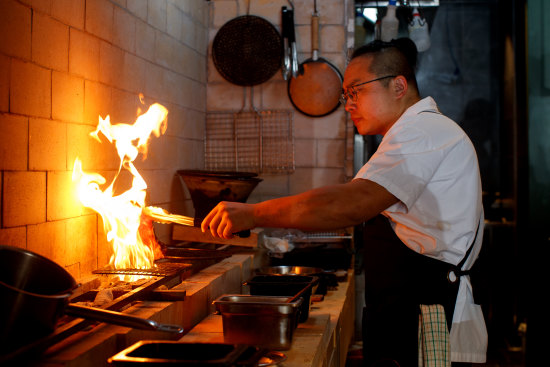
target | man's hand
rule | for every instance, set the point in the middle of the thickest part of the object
(320, 209)
(228, 218)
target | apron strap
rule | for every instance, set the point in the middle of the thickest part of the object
(456, 271)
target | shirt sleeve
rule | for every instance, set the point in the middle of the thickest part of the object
(404, 163)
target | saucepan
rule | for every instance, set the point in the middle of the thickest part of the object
(35, 294)
(316, 90)
(327, 278)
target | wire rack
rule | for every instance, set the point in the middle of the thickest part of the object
(162, 270)
(252, 141)
(330, 236)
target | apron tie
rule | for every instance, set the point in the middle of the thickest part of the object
(456, 272)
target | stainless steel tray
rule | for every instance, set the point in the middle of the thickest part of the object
(265, 321)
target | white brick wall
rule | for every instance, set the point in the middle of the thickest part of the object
(63, 63)
(321, 144)
(14, 137)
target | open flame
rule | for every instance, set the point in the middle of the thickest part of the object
(122, 214)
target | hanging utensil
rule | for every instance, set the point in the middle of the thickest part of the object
(290, 65)
(247, 50)
(250, 140)
(286, 44)
(292, 41)
(316, 90)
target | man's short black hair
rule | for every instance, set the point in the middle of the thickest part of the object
(397, 57)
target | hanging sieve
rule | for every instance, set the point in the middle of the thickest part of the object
(247, 50)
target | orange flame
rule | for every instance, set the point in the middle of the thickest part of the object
(121, 214)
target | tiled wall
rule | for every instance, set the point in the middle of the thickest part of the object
(63, 63)
(323, 146)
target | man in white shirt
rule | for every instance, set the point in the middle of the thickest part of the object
(420, 196)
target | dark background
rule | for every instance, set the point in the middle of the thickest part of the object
(488, 69)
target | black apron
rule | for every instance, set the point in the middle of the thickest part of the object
(397, 281)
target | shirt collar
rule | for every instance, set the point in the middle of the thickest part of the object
(426, 104)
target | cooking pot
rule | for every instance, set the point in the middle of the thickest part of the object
(35, 293)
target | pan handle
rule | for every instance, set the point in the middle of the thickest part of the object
(119, 318)
(315, 33)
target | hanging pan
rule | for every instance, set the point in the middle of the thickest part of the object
(316, 90)
(247, 50)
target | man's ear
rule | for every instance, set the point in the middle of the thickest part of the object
(400, 86)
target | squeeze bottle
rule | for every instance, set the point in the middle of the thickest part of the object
(390, 23)
(418, 32)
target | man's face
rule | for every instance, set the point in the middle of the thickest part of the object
(371, 109)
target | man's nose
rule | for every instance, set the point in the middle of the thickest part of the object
(349, 105)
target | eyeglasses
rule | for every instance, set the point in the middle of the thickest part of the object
(351, 93)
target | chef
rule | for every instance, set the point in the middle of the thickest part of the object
(420, 198)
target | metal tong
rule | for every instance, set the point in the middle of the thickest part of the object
(160, 215)
(290, 61)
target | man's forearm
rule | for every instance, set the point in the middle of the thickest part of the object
(325, 208)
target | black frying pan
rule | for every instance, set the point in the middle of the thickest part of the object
(34, 294)
(316, 90)
(247, 50)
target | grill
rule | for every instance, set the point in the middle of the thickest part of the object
(163, 269)
(254, 141)
(165, 273)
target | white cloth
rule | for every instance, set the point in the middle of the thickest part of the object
(429, 163)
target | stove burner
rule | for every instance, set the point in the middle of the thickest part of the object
(163, 270)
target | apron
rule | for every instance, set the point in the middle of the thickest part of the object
(397, 281)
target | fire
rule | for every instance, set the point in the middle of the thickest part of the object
(133, 246)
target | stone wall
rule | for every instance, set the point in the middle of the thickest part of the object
(324, 145)
(64, 63)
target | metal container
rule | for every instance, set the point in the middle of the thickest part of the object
(173, 353)
(328, 250)
(265, 321)
(327, 278)
(289, 270)
(285, 285)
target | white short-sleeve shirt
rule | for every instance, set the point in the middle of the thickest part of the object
(428, 162)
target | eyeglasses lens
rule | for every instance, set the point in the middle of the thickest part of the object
(351, 93)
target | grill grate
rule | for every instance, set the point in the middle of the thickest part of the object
(252, 141)
(162, 270)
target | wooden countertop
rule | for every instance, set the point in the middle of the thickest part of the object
(322, 340)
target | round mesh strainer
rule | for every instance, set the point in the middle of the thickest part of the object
(247, 50)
